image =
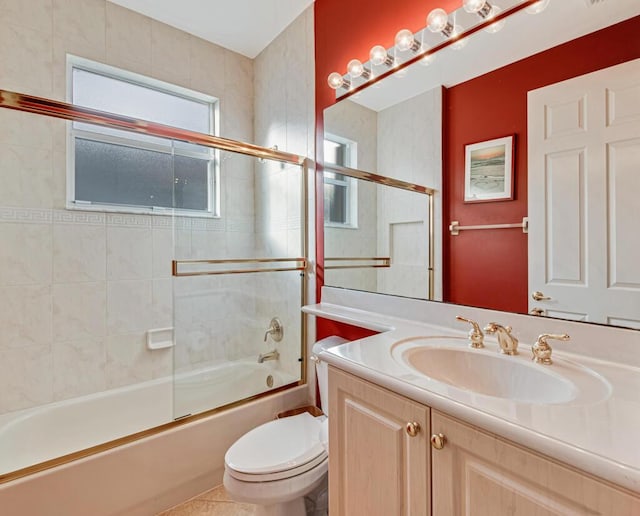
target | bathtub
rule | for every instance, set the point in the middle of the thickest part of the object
(42, 433)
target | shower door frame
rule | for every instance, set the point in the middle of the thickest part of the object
(57, 109)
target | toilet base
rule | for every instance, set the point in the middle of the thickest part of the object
(284, 497)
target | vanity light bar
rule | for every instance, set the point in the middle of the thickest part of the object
(410, 48)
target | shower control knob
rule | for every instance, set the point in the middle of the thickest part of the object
(413, 428)
(438, 441)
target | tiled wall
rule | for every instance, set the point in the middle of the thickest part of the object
(78, 290)
(410, 149)
(284, 116)
(359, 124)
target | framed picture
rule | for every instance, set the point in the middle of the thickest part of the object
(488, 170)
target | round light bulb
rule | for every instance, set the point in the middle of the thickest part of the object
(437, 20)
(404, 40)
(473, 6)
(378, 55)
(495, 27)
(538, 7)
(355, 68)
(335, 80)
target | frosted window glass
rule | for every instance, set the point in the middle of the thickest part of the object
(116, 174)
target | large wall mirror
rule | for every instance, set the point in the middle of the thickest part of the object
(563, 243)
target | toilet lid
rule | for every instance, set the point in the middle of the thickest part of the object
(283, 445)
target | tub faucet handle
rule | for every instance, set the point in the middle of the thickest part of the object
(275, 329)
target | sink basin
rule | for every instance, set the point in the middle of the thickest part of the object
(485, 371)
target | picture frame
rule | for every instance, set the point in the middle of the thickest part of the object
(488, 170)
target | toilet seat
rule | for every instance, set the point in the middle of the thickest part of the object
(277, 450)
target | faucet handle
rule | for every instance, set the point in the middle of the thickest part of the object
(475, 333)
(541, 349)
(276, 330)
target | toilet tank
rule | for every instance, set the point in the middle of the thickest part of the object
(322, 370)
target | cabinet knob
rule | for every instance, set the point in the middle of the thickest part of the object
(438, 441)
(413, 428)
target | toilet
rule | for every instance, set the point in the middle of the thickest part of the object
(277, 464)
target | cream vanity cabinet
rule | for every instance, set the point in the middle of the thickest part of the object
(381, 463)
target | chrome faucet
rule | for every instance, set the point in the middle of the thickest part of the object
(269, 355)
(275, 329)
(507, 342)
(476, 337)
(541, 349)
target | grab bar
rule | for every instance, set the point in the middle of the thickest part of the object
(455, 226)
(386, 262)
(299, 264)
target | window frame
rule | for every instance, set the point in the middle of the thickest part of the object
(72, 133)
(350, 183)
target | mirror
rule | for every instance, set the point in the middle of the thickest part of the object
(398, 125)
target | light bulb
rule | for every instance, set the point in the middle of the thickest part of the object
(355, 68)
(378, 55)
(336, 81)
(495, 27)
(473, 6)
(405, 41)
(437, 20)
(538, 7)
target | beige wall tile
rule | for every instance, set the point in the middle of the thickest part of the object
(26, 176)
(25, 254)
(128, 37)
(25, 318)
(129, 361)
(25, 129)
(129, 252)
(129, 306)
(81, 22)
(162, 244)
(207, 67)
(78, 368)
(79, 253)
(170, 54)
(34, 14)
(27, 377)
(162, 303)
(26, 60)
(78, 311)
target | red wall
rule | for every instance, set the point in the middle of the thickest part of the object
(489, 268)
(474, 261)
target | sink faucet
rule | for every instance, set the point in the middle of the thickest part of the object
(541, 349)
(507, 342)
(269, 355)
(476, 337)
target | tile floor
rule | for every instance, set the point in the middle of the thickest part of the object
(212, 503)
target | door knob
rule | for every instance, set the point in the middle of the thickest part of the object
(438, 441)
(413, 428)
(539, 296)
(537, 311)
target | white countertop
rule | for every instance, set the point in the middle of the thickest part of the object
(597, 436)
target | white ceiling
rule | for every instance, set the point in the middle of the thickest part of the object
(244, 26)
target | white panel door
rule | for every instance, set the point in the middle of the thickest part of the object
(584, 196)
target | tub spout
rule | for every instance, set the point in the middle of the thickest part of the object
(270, 355)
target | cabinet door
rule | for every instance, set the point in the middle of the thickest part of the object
(478, 474)
(375, 467)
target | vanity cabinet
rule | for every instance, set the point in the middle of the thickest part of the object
(378, 451)
(377, 468)
(478, 473)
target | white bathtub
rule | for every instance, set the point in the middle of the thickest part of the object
(35, 435)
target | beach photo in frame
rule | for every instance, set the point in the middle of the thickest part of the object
(488, 170)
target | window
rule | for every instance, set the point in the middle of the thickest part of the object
(340, 191)
(112, 169)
